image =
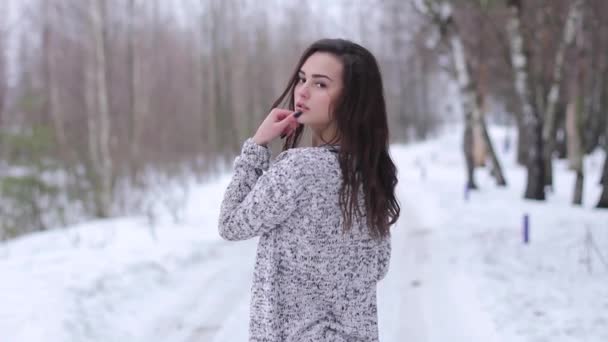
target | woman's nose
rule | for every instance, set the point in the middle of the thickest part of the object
(303, 91)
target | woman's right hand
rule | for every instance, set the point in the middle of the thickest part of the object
(277, 122)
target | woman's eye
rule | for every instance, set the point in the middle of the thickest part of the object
(302, 80)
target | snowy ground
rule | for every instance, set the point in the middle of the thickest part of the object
(459, 270)
(543, 291)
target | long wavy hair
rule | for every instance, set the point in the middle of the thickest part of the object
(360, 115)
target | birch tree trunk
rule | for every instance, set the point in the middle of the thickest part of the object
(521, 152)
(574, 16)
(598, 45)
(496, 170)
(531, 120)
(51, 88)
(496, 167)
(575, 150)
(603, 201)
(99, 116)
(222, 109)
(466, 87)
(3, 69)
(225, 79)
(216, 109)
(209, 124)
(264, 93)
(574, 118)
(593, 130)
(134, 110)
(441, 13)
(604, 176)
(3, 82)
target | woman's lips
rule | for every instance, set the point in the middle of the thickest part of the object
(301, 107)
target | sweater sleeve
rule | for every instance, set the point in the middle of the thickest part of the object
(384, 257)
(255, 202)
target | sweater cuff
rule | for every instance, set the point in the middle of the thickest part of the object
(255, 155)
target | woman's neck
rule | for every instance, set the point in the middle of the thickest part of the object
(326, 137)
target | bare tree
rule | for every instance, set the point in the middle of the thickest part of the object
(3, 79)
(496, 167)
(221, 74)
(574, 113)
(597, 32)
(129, 89)
(3, 66)
(603, 201)
(441, 14)
(481, 95)
(98, 113)
(52, 104)
(573, 18)
(209, 124)
(532, 119)
(135, 110)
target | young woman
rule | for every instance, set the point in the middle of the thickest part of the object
(322, 213)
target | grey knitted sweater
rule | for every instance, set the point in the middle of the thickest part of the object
(311, 281)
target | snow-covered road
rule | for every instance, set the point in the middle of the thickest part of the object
(421, 299)
(205, 296)
(459, 270)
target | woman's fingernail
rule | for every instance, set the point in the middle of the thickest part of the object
(297, 114)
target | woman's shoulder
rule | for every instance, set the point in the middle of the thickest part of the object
(312, 155)
(314, 159)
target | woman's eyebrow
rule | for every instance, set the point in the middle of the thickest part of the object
(315, 75)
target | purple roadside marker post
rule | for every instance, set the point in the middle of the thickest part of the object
(526, 229)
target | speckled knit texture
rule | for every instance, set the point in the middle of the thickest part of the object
(312, 281)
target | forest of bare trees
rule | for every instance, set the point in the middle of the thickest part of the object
(546, 60)
(100, 97)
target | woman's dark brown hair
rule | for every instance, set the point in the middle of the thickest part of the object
(360, 114)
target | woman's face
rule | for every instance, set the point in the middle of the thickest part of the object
(317, 90)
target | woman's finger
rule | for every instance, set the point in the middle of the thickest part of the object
(280, 113)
